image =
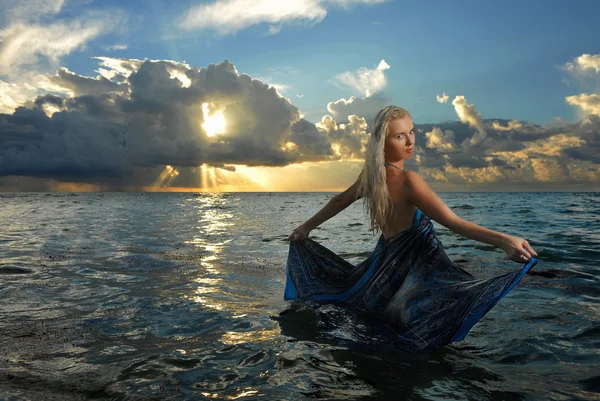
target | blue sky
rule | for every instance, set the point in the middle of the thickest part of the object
(534, 63)
(505, 57)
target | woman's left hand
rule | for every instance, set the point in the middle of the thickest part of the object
(517, 249)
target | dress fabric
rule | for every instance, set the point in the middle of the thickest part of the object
(408, 281)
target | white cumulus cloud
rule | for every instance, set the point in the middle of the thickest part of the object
(230, 16)
(365, 80)
(347, 140)
(584, 63)
(441, 140)
(442, 99)
(589, 104)
(469, 114)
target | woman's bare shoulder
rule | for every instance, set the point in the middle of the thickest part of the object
(412, 175)
(413, 180)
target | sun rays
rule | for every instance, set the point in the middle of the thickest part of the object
(165, 178)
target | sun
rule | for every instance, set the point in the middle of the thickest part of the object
(213, 123)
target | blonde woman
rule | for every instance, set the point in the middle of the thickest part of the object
(408, 280)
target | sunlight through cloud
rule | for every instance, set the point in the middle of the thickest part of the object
(213, 123)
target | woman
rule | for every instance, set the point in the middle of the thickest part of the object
(408, 280)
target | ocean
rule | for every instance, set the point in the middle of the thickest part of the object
(179, 296)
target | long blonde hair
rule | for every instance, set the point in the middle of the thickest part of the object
(372, 182)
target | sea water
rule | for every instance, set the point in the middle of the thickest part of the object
(180, 296)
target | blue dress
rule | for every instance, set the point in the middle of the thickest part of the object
(408, 281)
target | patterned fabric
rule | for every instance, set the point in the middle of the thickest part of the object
(408, 281)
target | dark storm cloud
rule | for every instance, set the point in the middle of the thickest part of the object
(224, 167)
(62, 146)
(465, 160)
(582, 154)
(508, 137)
(157, 122)
(55, 101)
(310, 140)
(589, 131)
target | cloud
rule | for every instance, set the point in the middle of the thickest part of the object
(367, 106)
(347, 140)
(230, 16)
(589, 104)
(441, 140)
(469, 114)
(29, 10)
(118, 69)
(442, 99)
(116, 47)
(546, 169)
(141, 126)
(25, 45)
(14, 95)
(39, 47)
(512, 156)
(511, 126)
(67, 83)
(366, 81)
(584, 63)
(111, 136)
(586, 145)
(309, 142)
(82, 85)
(553, 158)
(450, 144)
(114, 66)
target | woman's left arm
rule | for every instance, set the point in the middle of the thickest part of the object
(419, 193)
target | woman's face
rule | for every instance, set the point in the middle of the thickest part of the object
(400, 140)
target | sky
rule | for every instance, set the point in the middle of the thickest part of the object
(271, 95)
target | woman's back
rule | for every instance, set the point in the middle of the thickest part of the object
(402, 211)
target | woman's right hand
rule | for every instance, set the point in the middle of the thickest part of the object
(517, 249)
(299, 233)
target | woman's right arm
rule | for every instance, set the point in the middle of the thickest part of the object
(335, 205)
(419, 193)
